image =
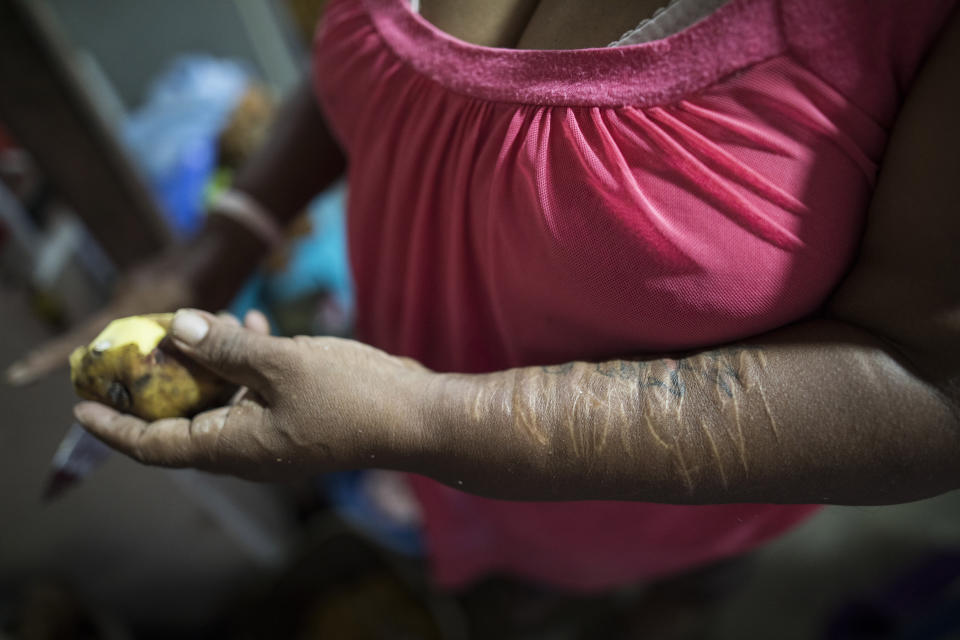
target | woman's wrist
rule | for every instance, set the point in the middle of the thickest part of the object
(459, 427)
(404, 435)
(247, 212)
(425, 426)
(219, 259)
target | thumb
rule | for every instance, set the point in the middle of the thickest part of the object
(234, 353)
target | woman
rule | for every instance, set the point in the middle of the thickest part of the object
(664, 273)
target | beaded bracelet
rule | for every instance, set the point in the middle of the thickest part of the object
(247, 212)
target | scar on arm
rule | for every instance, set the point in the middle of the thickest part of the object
(601, 432)
(478, 398)
(673, 448)
(570, 420)
(770, 419)
(754, 369)
(656, 436)
(682, 466)
(618, 416)
(718, 387)
(762, 358)
(734, 373)
(591, 413)
(729, 398)
(623, 389)
(716, 452)
(523, 406)
(677, 400)
(740, 440)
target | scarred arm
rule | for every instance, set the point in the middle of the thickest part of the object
(856, 407)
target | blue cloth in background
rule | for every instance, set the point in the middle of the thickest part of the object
(347, 494)
(173, 135)
(317, 263)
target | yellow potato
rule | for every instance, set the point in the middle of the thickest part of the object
(131, 368)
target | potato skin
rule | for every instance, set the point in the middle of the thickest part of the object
(160, 384)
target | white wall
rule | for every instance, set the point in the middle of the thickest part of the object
(132, 40)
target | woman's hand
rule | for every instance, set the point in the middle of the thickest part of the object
(308, 405)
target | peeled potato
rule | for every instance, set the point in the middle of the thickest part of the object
(130, 368)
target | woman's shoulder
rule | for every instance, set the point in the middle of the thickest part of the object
(869, 50)
(904, 286)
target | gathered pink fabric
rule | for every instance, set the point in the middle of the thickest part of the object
(514, 207)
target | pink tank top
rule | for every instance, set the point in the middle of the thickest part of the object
(517, 207)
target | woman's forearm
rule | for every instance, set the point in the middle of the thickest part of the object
(299, 159)
(817, 412)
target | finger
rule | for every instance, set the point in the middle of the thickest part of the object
(236, 354)
(54, 353)
(126, 433)
(226, 316)
(183, 442)
(255, 320)
(221, 440)
(171, 442)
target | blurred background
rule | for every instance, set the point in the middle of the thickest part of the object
(119, 120)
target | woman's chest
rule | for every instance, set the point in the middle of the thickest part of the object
(538, 24)
(723, 215)
(679, 193)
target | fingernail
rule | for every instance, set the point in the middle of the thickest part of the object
(189, 327)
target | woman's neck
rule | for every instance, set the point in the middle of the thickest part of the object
(538, 24)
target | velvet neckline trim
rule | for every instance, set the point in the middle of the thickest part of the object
(736, 35)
